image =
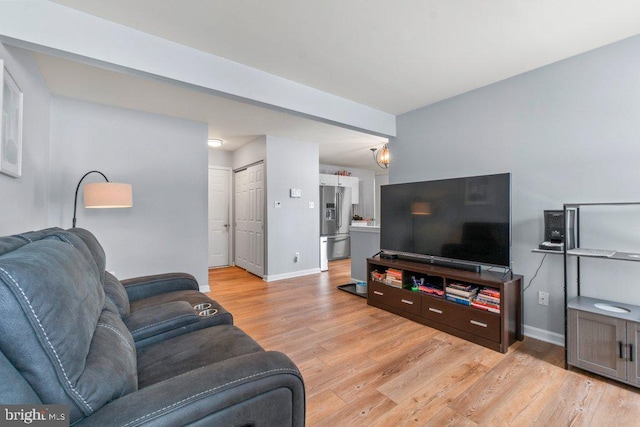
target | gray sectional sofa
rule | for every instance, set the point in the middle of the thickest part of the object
(129, 353)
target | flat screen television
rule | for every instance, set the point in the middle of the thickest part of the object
(461, 220)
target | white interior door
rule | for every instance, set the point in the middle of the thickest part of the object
(249, 219)
(219, 225)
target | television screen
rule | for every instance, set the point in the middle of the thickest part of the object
(466, 219)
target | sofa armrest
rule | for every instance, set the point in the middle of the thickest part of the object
(155, 320)
(148, 286)
(258, 389)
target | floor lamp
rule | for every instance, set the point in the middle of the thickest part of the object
(103, 195)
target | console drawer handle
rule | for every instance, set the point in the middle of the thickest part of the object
(407, 302)
(378, 293)
(435, 310)
(475, 322)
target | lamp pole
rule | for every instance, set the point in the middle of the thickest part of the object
(75, 201)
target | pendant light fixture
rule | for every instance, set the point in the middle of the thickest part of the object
(381, 156)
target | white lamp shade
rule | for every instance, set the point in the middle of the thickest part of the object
(108, 195)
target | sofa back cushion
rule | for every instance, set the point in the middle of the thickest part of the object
(11, 243)
(58, 330)
(14, 389)
(116, 292)
(95, 248)
(86, 242)
(32, 236)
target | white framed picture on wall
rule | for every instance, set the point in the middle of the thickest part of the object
(11, 99)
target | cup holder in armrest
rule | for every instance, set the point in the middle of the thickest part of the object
(208, 312)
(202, 306)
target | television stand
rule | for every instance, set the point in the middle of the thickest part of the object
(494, 326)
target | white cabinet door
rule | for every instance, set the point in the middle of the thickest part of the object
(355, 190)
(328, 179)
(352, 182)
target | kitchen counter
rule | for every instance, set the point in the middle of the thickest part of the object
(365, 229)
(365, 242)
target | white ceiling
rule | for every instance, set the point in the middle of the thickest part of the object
(392, 56)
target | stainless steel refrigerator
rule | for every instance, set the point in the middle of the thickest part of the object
(335, 219)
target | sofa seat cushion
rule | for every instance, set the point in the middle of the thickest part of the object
(223, 317)
(166, 359)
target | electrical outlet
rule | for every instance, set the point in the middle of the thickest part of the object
(296, 257)
(543, 298)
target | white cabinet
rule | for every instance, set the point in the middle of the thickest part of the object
(343, 181)
(328, 179)
(354, 183)
(355, 190)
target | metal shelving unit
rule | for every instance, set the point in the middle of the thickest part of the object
(579, 252)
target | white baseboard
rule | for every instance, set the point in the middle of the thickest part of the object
(274, 277)
(204, 288)
(543, 335)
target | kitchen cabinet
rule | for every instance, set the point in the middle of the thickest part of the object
(352, 182)
(328, 179)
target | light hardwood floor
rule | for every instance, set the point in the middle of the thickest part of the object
(365, 366)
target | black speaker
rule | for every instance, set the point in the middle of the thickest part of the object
(554, 226)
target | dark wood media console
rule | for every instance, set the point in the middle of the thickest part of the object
(496, 331)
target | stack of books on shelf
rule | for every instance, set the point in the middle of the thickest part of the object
(393, 277)
(488, 299)
(376, 276)
(461, 293)
(431, 290)
(428, 288)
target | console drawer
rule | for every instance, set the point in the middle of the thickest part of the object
(468, 319)
(401, 299)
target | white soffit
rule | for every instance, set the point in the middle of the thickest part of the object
(51, 28)
(394, 56)
(237, 123)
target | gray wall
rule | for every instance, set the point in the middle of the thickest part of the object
(253, 152)
(218, 157)
(164, 158)
(380, 181)
(24, 200)
(567, 132)
(295, 227)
